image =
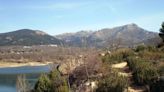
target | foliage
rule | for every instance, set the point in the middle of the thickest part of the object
(145, 48)
(43, 84)
(112, 83)
(151, 55)
(161, 34)
(117, 56)
(143, 71)
(140, 48)
(59, 83)
(53, 82)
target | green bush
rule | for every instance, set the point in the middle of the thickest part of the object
(59, 83)
(140, 48)
(145, 74)
(43, 84)
(151, 55)
(143, 71)
(146, 48)
(52, 82)
(112, 83)
(117, 56)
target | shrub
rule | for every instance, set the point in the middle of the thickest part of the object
(151, 55)
(146, 48)
(145, 74)
(53, 82)
(112, 83)
(143, 71)
(59, 83)
(117, 56)
(43, 84)
(140, 48)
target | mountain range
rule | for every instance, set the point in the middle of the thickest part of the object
(122, 36)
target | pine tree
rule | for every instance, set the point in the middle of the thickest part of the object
(161, 34)
(43, 84)
(52, 82)
(59, 83)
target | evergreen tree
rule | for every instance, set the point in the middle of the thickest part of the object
(161, 34)
(53, 82)
(43, 84)
(59, 83)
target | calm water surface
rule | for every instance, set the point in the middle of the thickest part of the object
(8, 76)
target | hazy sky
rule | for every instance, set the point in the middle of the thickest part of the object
(60, 16)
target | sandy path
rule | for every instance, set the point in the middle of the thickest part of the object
(123, 65)
(135, 89)
(120, 65)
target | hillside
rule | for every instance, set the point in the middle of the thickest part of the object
(27, 37)
(124, 36)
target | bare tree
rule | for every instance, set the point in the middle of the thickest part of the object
(22, 84)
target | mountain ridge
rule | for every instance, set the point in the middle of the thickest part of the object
(27, 37)
(127, 35)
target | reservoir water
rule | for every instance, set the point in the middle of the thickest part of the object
(8, 76)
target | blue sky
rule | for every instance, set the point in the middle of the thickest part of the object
(63, 16)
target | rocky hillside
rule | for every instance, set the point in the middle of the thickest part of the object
(27, 37)
(126, 35)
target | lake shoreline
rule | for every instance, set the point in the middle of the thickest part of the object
(11, 64)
